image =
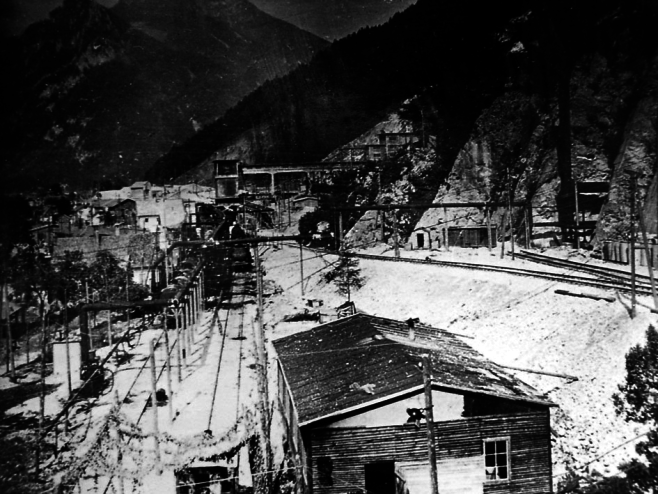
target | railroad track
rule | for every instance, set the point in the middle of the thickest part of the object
(600, 271)
(617, 284)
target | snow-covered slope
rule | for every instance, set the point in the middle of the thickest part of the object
(514, 321)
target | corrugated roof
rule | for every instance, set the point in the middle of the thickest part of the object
(322, 365)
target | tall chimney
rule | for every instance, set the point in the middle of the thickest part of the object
(411, 322)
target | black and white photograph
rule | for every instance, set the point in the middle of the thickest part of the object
(329, 247)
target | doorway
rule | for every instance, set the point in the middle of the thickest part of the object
(380, 477)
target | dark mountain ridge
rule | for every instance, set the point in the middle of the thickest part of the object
(335, 19)
(98, 95)
(352, 85)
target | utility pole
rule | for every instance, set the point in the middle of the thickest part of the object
(262, 357)
(166, 259)
(301, 265)
(10, 343)
(178, 345)
(42, 393)
(429, 422)
(575, 187)
(154, 403)
(340, 230)
(68, 358)
(488, 212)
(446, 231)
(526, 222)
(128, 297)
(649, 258)
(509, 210)
(395, 234)
(633, 176)
(168, 348)
(502, 234)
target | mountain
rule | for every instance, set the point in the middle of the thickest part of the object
(352, 85)
(335, 19)
(97, 95)
(519, 99)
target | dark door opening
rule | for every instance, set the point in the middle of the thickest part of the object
(420, 240)
(380, 477)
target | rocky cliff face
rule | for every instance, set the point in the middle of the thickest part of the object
(97, 95)
(511, 152)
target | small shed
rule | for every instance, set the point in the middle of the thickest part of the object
(471, 236)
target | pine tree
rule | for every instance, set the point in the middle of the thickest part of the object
(346, 275)
(637, 401)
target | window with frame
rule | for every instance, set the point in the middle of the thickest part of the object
(496, 459)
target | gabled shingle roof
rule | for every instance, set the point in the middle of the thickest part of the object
(322, 365)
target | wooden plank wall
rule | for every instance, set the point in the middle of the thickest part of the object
(351, 448)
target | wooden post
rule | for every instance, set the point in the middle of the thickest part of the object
(632, 253)
(154, 403)
(183, 336)
(128, 299)
(429, 421)
(168, 349)
(109, 327)
(190, 324)
(178, 346)
(301, 265)
(68, 356)
(262, 357)
(340, 230)
(383, 224)
(192, 306)
(489, 228)
(509, 212)
(395, 235)
(69, 386)
(27, 332)
(575, 189)
(166, 261)
(647, 253)
(527, 227)
(10, 343)
(42, 393)
(202, 292)
(196, 300)
(446, 233)
(502, 235)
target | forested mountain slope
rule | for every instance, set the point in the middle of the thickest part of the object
(95, 96)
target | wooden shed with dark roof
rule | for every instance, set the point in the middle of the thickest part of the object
(348, 388)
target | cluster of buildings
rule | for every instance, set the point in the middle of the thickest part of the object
(140, 208)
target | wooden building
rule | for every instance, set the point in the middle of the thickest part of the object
(140, 190)
(350, 390)
(113, 211)
(471, 236)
